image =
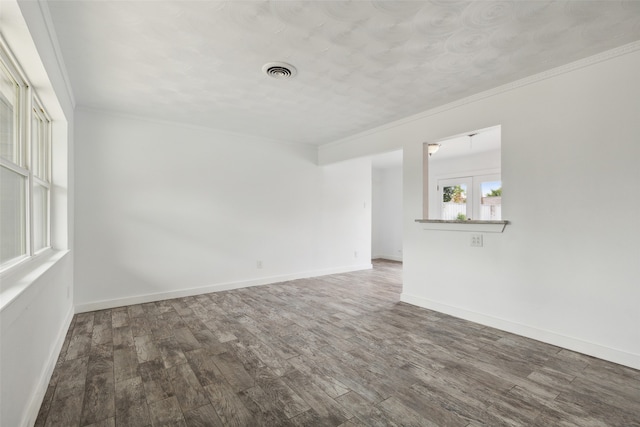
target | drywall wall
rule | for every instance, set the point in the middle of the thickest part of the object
(36, 304)
(166, 210)
(32, 329)
(386, 215)
(566, 268)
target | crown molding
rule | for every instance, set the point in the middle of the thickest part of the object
(563, 69)
(53, 39)
(247, 137)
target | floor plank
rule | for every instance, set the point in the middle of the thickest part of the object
(337, 350)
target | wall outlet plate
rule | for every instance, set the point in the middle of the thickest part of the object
(476, 240)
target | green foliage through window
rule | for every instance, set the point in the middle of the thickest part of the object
(496, 192)
(455, 194)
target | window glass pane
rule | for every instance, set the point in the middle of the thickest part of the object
(12, 215)
(43, 151)
(491, 202)
(40, 217)
(8, 111)
(35, 142)
(454, 202)
(40, 145)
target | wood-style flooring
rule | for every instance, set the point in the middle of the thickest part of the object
(338, 350)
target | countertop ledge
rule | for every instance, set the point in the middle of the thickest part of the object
(469, 225)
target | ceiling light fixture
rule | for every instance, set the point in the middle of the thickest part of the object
(279, 70)
(432, 149)
(471, 140)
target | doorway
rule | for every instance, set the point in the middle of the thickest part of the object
(386, 206)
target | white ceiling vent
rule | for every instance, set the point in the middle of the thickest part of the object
(279, 70)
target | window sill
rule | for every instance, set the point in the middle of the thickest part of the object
(471, 225)
(18, 279)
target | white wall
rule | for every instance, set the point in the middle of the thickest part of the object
(563, 271)
(166, 210)
(36, 298)
(387, 213)
(32, 330)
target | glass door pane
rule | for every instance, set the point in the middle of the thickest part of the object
(455, 198)
(491, 198)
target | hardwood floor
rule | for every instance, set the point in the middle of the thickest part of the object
(338, 350)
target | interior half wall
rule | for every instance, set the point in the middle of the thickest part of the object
(565, 270)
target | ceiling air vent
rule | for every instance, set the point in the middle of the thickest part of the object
(279, 70)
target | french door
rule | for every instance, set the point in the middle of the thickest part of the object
(456, 198)
(477, 197)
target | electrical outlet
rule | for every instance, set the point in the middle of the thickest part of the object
(355, 254)
(259, 264)
(476, 240)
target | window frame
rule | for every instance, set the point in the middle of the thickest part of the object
(473, 181)
(27, 149)
(7, 66)
(43, 143)
(467, 181)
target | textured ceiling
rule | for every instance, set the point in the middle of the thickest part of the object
(360, 63)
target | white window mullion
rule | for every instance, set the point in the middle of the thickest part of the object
(48, 219)
(15, 168)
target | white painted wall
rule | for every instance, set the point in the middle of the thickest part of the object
(387, 213)
(166, 210)
(563, 271)
(36, 304)
(32, 330)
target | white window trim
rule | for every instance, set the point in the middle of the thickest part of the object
(27, 100)
(34, 180)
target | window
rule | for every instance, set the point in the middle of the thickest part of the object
(25, 168)
(470, 197)
(456, 198)
(490, 198)
(463, 177)
(41, 185)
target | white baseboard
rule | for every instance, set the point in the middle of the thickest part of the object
(389, 257)
(596, 350)
(141, 299)
(43, 383)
